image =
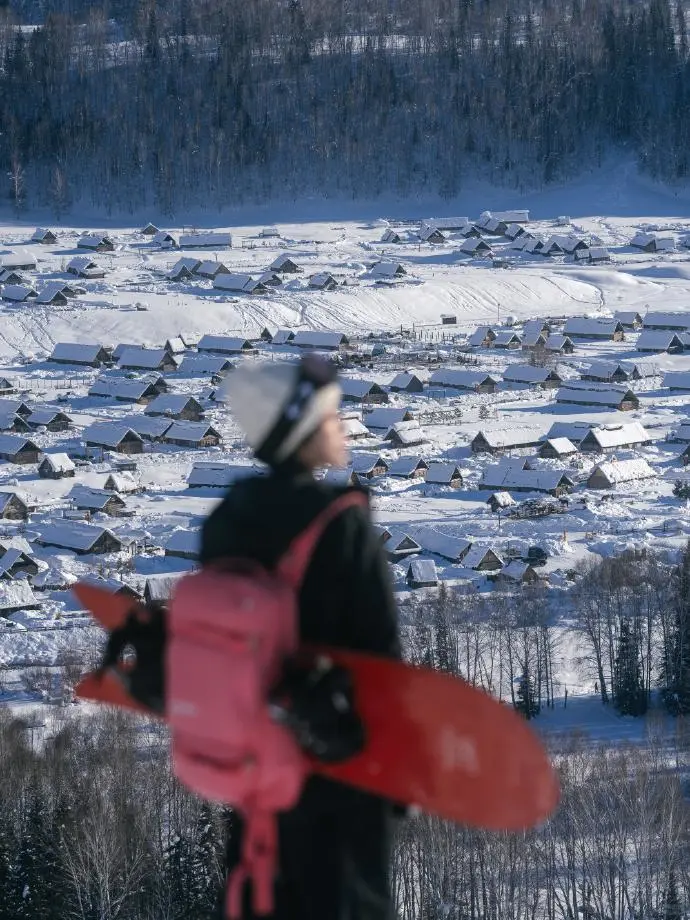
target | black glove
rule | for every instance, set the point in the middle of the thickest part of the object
(317, 704)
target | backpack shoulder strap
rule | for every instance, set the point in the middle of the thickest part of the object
(293, 564)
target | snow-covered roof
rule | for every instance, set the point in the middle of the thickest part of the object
(73, 535)
(683, 432)
(280, 260)
(11, 445)
(187, 263)
(92, 499)
(677, 380)
(515, 570)
(526, 373)
(557, 341)
(505, 337)
(283, 336)
(6, 498)
(439, 473)
(516, 436)
(645, 367)
(149, 427)
(236, 282)
(120, 388)
(406, 433)
(225, 344)
(422, 571)
(209, 268)
(47, 415)
(386, 417)
(18, 292)
(442, 544)
(568, 243)
(10, 406)
(192, 240)
(81, 264)
(20, 258)
(405, 466)
(402, 380)
(624, 470)
(59, 463)
(479, 336)
(322, 279)
(161, 587)
(168, 403)
(93, 240)
(660, 319)
(609, 436)
(108, 434)
(365, 463)
(208, 474)
(427, 231)
(387, 269)
(627, 317)
(604, 370)
(514, 215)
(499, 476)
(121, 482)
(163, 237)
(561, 446)
(192, 432)
(147, 358)
(356, 388)
(317, 338)
(658, 340)
(40, 233)
(583, 326)
(502, 499)
(50, 290)
(353, 428)
(445, 223)
(609, 397)
(199, 365)
(184, 541)
(77, 352)
(642, 240)
(474, 244)
(477, 554)
(17, 595)
(575, 431)
(461, 378)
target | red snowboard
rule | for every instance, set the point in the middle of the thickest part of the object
(433, 740)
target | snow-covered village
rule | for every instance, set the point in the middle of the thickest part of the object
(344, 460)
(515, 398)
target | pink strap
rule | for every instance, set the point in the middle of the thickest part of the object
(293, 564)
(258, 865)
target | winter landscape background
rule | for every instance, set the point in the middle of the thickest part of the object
(531, 494)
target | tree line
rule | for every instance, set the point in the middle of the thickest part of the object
(135, 102)
(93, 826)
(630, 614)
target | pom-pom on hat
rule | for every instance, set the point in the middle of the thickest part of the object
(278, 404)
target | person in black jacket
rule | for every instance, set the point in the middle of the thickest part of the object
(334, 845)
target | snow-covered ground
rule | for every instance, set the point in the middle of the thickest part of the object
(136, 303)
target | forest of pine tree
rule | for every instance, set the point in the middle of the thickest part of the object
(129, 103)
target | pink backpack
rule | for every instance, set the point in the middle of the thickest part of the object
(230, 629)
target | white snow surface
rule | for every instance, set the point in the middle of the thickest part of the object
(135, 303)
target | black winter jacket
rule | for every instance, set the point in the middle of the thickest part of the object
(346, 597)
(335, 844)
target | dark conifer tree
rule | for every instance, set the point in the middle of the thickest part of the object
(629, 695)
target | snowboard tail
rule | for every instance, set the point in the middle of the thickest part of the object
(433, 740)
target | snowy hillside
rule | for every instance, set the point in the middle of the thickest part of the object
(407, 297)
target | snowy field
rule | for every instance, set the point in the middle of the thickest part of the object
(393, 325)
